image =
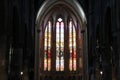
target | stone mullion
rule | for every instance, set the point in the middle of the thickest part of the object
(72, 50)
(59, 45)
(53, 46)
(51, 51)
(66, 46)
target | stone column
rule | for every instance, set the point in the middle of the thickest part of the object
(107, 63)
(3, 60)
(85, 54)
(36, 53)
(117, 58)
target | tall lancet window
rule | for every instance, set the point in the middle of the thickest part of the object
(60, 45)
(47, 47)
(72, 47)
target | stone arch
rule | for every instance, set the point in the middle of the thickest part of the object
(72, 4)
(75, 7)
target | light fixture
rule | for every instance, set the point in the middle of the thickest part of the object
(21, 73)
(101, 72)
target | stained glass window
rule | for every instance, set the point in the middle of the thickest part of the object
(59, 52)
(47, 47)
(59, 45)
(72, 47)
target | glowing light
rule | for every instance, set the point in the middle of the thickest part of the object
(21, 73)
(101, 72)
(60, 19)
(47, 47)
(72, 47)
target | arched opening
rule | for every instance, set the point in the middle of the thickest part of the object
(107, 47)
(13, 54)
(61, 48)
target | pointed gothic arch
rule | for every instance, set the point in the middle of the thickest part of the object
(107, 44)
(71, 9)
